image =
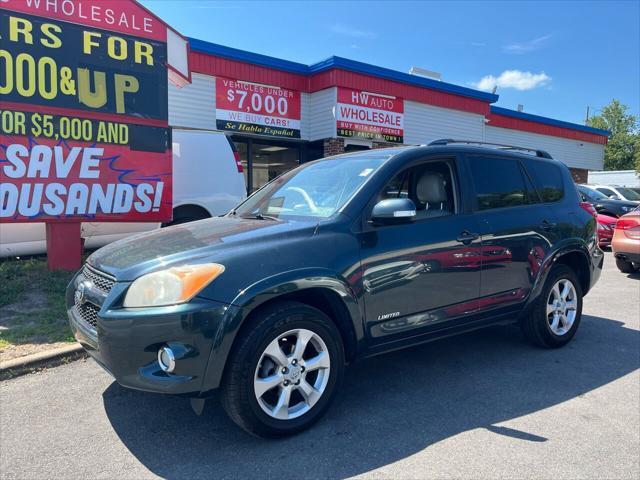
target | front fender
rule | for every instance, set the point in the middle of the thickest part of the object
(263, 291)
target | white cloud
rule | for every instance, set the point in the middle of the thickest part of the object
(345, 30)
(528, 46)
(513, 79)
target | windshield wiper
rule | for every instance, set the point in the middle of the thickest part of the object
(260, 216)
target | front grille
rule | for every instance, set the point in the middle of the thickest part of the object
(101, 281)
(88, 313)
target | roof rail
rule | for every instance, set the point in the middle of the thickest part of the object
(500, 146)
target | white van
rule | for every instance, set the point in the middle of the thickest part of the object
(208, 180)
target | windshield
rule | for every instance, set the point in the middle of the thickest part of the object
(317, 189)
(629, 194)
(592, 194)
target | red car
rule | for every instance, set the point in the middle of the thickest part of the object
(606, 226)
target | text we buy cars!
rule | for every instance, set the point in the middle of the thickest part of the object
(257, 109)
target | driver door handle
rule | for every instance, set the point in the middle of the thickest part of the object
(466, 237)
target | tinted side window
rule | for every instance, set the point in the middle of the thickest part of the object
(547, 179)
(499, 183)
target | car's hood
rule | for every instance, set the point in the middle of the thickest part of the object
(202, 241)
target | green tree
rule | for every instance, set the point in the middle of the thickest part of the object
(623, 150)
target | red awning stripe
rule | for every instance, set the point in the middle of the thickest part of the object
(502, 121)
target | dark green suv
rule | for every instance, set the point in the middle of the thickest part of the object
(339, 259)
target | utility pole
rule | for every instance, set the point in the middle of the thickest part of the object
(586, 121)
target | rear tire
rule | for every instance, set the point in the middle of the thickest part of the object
(259, 389)
(556, 315)
(624, 266)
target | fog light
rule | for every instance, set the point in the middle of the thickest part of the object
(166, 359)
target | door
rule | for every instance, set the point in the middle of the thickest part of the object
(419, 276)
(517, 230)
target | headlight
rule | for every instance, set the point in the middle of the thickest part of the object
(171, 286)
(627, 209)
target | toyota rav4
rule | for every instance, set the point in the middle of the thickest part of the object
(337, 260)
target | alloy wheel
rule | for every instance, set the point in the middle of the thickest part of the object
(292, 374)
(562, 306)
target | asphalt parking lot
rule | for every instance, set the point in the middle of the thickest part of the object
(482, 405)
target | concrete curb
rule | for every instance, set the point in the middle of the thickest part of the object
(29, 363)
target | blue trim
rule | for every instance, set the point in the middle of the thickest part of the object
(547, 121)
(393, 75)
(336, 62)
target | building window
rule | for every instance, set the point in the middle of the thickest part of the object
(264, 160)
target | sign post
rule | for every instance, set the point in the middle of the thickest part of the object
(64, 245)
(84, 117)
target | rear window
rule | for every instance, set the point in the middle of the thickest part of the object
(606, 191)
(499, 183)
(547, 179)
(591, 194)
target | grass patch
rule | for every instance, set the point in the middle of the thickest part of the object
(32, 303)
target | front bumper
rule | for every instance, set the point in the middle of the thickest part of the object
(125, 341)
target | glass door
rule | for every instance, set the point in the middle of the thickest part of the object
(269, 161)
(264, 160)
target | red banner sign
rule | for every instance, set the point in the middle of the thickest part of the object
(53, 179)
(246, 107)
(124, 16)
(369, 116)
(84, 123)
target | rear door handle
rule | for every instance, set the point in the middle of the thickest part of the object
(467, 237)
(546, 225)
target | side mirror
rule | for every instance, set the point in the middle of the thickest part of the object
(393, 210)
(614, 197)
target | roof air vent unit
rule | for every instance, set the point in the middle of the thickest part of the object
(423, 72)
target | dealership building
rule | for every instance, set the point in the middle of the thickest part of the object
(281, 113)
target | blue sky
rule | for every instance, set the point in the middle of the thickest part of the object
(555, 58)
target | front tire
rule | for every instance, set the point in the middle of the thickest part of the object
(554, 319)
(284, 371)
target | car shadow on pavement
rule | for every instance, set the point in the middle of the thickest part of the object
(390, 407)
